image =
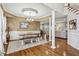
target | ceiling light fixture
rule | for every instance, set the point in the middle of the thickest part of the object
(30, 13)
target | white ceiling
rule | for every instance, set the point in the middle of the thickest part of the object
(75, 5)
(56, 7)
(43, 10)
(16, 8)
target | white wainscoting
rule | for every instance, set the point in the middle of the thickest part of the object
(14, 35)
(74, 39)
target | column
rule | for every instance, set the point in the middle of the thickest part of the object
(4, 29)
(50, 30)
(53, 29)
(1, 32)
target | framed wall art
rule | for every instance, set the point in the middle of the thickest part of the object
(73, 24)
(23, 25)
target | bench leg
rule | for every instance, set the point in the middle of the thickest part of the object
(22, 42)
(36, 39)
(41, 38)
(31, 41)
(45, 37)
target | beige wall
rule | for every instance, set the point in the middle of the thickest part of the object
(14, 24)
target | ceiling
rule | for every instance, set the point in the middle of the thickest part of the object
(16, 8)
(56, 7)
(75, 5)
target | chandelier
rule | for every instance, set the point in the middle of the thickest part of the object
(30, 13)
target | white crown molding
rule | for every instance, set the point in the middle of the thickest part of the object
(11, 12)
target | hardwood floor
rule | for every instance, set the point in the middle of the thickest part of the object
(62, 49)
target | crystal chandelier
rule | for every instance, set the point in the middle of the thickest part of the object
(30, 13)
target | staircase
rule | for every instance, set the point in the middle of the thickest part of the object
(72, 9)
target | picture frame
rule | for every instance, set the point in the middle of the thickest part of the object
(73, 24)
(23, 25)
